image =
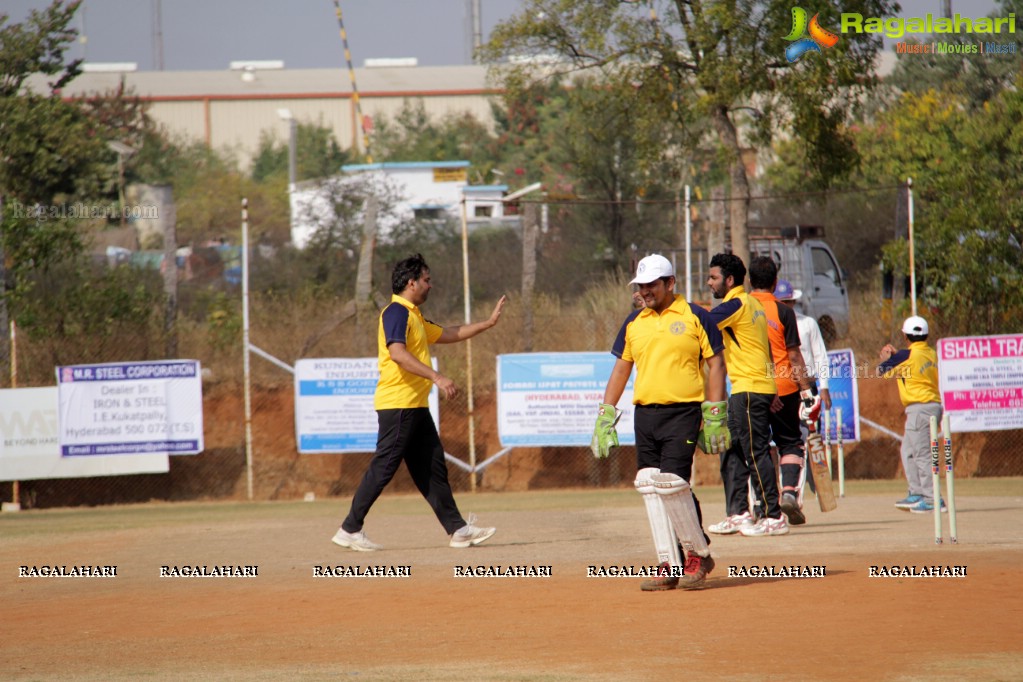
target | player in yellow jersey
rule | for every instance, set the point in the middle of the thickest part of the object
(669, 340)
(743, 325)
(916, 369)
(407, 432)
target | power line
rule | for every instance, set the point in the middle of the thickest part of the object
(787, 195)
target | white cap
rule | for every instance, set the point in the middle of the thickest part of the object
(915, 326)
(652, 268)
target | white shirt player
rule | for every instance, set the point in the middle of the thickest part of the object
(815, 353)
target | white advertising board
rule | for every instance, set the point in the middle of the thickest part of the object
(981, 382)
(551, 399)
(30, 443)
(130, 408)
(334, 405)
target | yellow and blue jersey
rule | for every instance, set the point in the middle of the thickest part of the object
(668, 350)
(402, 322)
(917, 370)
(743, 325)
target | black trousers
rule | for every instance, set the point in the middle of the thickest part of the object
(666, 440)
(407, 435)
(785, 426)
(788, 438)
(749, 458)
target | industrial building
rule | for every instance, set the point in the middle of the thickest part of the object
(229, 109)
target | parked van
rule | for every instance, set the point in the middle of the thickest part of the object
(805, 260)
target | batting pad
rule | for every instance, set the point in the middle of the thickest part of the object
(660, 526)
(678, 501)
(801, 481)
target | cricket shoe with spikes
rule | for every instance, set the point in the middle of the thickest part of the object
(694, 573)
(666, 580)
(790, 506)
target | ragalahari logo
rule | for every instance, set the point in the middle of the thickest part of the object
(819, 37)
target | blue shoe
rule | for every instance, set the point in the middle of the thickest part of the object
(922, 507)
(925, 507)
(908, 503)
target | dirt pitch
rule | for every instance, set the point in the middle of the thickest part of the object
(287, 624)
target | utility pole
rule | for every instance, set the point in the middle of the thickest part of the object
(83, 37)
(477, 28)
(157, 36)
(286, 115)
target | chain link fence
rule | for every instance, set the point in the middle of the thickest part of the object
(568, 290)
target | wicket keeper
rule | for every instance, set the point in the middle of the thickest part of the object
(669, 340)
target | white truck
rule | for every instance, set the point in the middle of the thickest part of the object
(805, 260)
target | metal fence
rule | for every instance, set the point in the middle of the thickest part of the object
(567, 293)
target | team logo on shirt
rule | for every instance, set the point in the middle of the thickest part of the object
(678, 328)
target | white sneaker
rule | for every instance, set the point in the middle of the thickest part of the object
(470, 534)
(766, 527)
(357, 541)
(732, 524)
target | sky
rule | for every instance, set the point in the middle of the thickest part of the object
(209, 34)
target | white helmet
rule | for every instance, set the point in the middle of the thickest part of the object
(915, 326)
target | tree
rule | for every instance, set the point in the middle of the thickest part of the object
(976, 78)
(593, 146)
(712, 64)
(412, 136)
(317, 155)
(968, 197)
(37, 47)
(208, 187)
(971, 223)
(56, 173)
(518, 148)
(51, 152)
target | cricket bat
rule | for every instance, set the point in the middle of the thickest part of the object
(819, 469)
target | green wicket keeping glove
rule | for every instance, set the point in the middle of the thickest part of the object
(714, 437)
(605, 438)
